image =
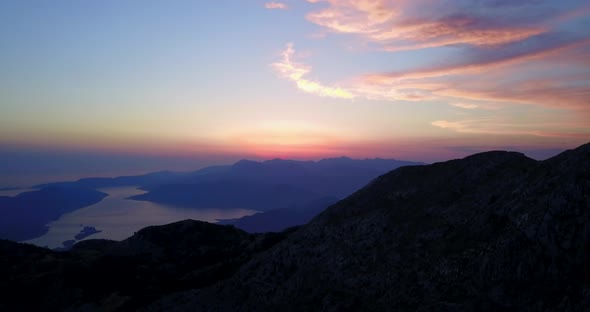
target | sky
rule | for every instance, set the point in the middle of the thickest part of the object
(111, 86)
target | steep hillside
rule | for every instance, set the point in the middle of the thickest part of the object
(493, 231)
(108, 275)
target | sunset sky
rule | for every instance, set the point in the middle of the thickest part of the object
(209, 82)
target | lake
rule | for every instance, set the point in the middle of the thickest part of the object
(118, 217)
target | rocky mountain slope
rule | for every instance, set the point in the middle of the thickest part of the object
(122, 276)
(494, 231)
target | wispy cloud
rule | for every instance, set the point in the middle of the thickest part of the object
(405, 25)
(496, 126)
(497, 75)
(465, 105)
(296, 72)
(490, 36)
(500, 55)
(276, 6)
(478, 60)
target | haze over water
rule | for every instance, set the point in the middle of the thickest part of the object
(119, 218)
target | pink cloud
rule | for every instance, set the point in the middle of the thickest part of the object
(507, 56)
(465, 105)
(489, 76)
(406, 25)
(276, 6)
(297, 72)
(501, 126)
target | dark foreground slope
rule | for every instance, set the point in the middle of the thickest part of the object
(122, 276)
(493, 231)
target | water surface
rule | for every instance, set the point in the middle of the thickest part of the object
(119, 218)
(15, 191)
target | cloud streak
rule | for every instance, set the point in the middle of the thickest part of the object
(493, 36)
(500, 56)
(406, 25)
(276, 6)
(495, 75)
(296, 72)
(498, 127)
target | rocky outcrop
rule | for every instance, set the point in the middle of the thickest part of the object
(109, 276)
(493, 231)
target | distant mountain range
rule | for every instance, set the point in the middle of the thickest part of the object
(293, 186)
(281, 219)
(26, 215)
(495, 231)
(287, 191)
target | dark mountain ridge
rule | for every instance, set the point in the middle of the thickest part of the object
(495, 231)
(271, 185)
(103, 275)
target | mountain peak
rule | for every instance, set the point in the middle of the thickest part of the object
(495, 156)
(341, 159)
(246, 163)
(468, 234)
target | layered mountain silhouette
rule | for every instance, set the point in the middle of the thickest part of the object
(26, 215)
(281, 219)
(272, 184)
(293, 187)
(154, 178)
(493, 231)
(289, 190)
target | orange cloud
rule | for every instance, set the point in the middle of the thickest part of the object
(403, 91)
(276, 6)
(352, 16)
(499, 126)
(465, 105)
(406, 25)
(480, 61)
(296, 72)
(487, 77)
(480, 78)
(508, 57)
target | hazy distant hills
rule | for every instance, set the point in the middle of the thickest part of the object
(495, 231)
(140, 180)
(290, 189)
(333, 176)
(26, 216)
(293, 186)
(279, 219)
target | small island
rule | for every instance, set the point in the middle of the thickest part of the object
(87, 231)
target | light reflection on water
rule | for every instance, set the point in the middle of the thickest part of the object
(119, 218)
(16, 191)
